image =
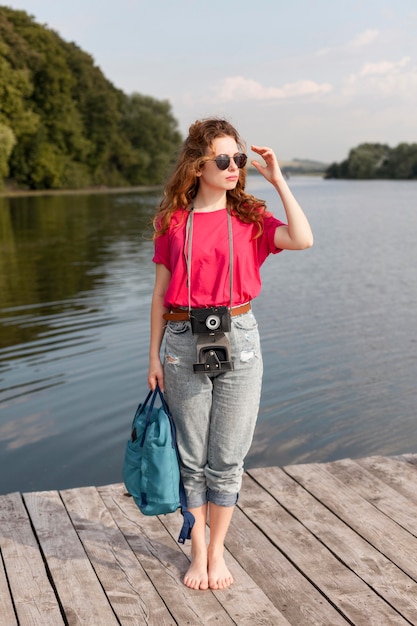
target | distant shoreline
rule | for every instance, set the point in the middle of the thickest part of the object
(289, 168)
(86, 191)
(22, 193)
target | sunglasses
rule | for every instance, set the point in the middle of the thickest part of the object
(223, 160)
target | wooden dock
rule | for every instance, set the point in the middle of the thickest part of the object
(314, 544)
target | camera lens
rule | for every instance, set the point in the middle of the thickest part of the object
(213, 322)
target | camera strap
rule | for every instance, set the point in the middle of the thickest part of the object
(188, 251)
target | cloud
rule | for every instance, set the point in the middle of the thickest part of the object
(364, 39)
(238, 88)
(384, 79)
(384, 67)
(360, 41)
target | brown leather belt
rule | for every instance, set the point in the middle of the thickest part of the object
(182, 315)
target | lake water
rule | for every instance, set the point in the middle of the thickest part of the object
(338, 325)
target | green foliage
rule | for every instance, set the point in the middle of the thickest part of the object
(375, 160)
(153, 133)
(7, 141)
(72, 127)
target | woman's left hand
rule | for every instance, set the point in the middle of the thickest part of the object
(271, 171)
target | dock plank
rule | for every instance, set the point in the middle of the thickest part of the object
(287, 587)
(380, 531)
(381, 495)
(33, 596)
(397, 473)
(78, 588)
(128, 588)
(385, 578)
(342, 588)
(6, 604)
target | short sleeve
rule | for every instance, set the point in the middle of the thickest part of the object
(266, 245)
(161, 252)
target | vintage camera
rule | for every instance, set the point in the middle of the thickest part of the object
(214, 319)
(213, 347)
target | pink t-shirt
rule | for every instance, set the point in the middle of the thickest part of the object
(210, 283)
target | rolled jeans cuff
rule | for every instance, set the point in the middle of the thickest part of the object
(216, 497)
(221, 498)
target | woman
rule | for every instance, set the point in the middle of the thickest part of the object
(210, 241)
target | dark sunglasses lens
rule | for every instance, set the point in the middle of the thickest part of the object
(240, 159)
(222, 161)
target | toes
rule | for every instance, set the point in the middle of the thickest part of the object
(221, 583)
(196, 583)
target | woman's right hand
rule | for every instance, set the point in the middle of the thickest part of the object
(155, 374)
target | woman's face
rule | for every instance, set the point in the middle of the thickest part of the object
(211, 177)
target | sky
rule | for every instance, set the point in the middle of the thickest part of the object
(309, 78)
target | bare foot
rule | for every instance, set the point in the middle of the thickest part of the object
(196, 576)
(219, 576)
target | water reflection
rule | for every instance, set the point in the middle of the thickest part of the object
(75, 272)
(27, 430)
(54, 249)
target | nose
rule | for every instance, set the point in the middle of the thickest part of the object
(232, 164)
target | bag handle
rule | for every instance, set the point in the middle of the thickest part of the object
(154, 395)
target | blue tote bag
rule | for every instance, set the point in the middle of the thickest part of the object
(151, 470)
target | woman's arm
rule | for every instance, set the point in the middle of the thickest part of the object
(155, 372)
(297, 235)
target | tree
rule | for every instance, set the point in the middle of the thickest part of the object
(364, 161)
(154, 135)
(7, 141)
(377, 161)
(72, 127)
(403, 161)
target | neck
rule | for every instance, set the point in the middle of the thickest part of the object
(206, 202)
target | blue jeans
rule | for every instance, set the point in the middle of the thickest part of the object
(215, 415)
